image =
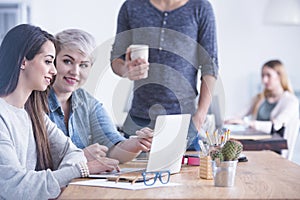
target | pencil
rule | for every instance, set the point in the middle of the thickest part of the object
(216, 137)
(209, 140)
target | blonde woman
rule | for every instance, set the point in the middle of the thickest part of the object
(276, 106)
(80, 115)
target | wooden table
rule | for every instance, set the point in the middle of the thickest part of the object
(265, 176)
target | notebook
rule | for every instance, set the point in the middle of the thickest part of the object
(168, 146)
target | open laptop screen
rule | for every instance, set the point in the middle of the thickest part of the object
(169, 142)
(168, 146)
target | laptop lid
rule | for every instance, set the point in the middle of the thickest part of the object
(169, 142)
(167, 149)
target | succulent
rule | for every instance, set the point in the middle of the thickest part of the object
(216, 154)
(230, 151)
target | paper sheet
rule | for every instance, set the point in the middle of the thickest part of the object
(235, 127)
(122, 185)
(240, 132)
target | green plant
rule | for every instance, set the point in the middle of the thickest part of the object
(228, 152)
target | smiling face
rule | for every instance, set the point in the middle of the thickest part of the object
(39, 71)
(72, 70)
(270, 79)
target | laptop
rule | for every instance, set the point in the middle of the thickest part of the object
(168, 146)
(169, 143)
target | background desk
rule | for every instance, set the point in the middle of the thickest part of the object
(256, 141)
(274, 144)
(265, 176)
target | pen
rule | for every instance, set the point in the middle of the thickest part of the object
(139, 136)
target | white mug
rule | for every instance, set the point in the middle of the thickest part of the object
(139, 51)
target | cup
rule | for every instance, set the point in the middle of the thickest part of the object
(139, 51)
(224, 173)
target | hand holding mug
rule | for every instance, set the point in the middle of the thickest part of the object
(137, 62)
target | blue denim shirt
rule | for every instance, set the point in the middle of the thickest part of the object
(88, 123)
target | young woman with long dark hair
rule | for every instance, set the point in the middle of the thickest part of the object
(36, 158)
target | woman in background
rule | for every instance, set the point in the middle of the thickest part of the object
(275, 108)
(36, 158)
(76, 112)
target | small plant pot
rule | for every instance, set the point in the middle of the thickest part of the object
(224, 173)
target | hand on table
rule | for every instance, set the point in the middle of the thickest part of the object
(103, 164)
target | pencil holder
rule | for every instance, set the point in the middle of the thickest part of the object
(205, 168)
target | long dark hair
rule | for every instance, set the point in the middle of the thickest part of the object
(25, 41)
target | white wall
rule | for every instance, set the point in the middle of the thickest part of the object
(245, 43)
(98, 17)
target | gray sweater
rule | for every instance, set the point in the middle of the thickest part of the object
(18, 157)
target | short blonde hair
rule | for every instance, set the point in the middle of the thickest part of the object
(78, 40)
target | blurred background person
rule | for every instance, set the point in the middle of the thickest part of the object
(275, 108)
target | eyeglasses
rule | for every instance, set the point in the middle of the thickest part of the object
(151, 177)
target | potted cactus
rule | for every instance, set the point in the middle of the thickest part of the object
(224, 162)
(230, 151)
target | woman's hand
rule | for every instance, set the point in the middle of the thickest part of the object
(103, 164)
(139, 142)
(143, 139)
(235, 121)
(245, 122)
(198, 121)
(128, 149)
(95, 151)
